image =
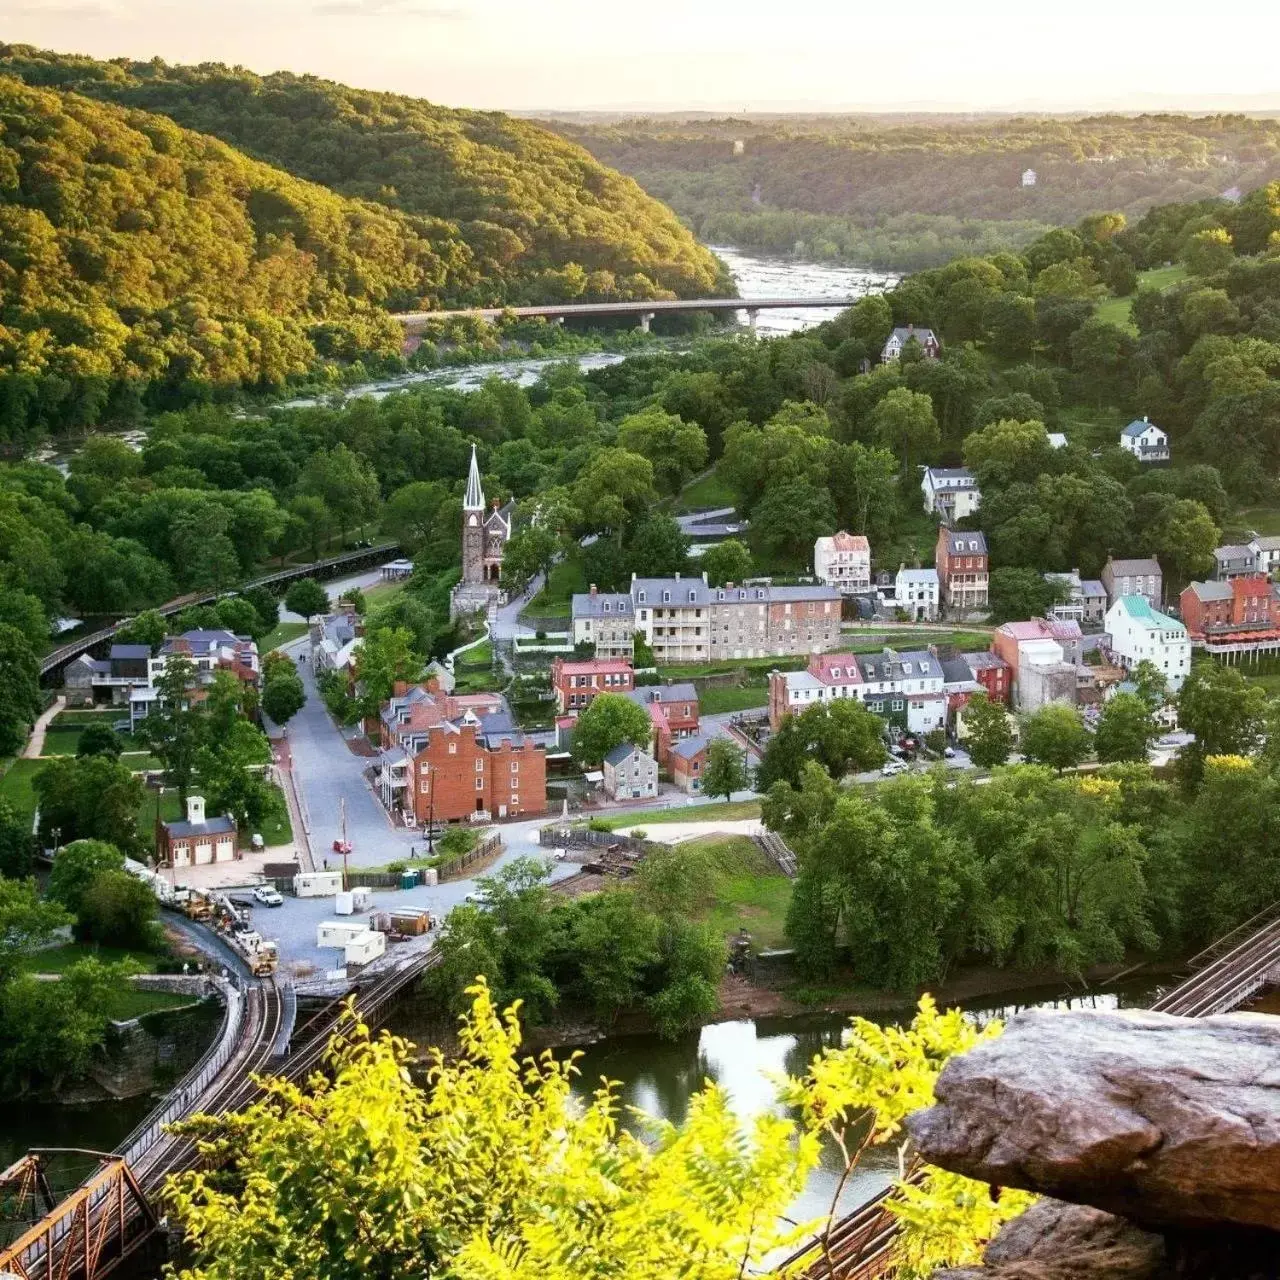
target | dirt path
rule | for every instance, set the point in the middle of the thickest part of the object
(35, 744)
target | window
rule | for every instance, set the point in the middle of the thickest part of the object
(666, 597)
(515, 799)
(693, 595)
(424, 788)
(480, 765)
(607, 607)
(479, 784)
(453, 748)
(515, 766)
(640, 596)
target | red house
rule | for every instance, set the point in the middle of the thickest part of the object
(673, 711)
(577, 683)
(1241, 616)
(993, 673)
(963, 565)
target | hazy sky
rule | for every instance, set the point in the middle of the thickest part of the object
(722, 54)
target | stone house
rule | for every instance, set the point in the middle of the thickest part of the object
(630, 773)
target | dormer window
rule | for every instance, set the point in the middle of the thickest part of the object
(759, 593)
(666, 597)
(719, 595)
(640, 597)
(835, 673)
(693, 595)
(906, 668)
(973, 546)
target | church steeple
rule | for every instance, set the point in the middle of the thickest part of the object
(474, 501)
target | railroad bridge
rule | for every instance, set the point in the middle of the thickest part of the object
(644, 310)
(110, 1215)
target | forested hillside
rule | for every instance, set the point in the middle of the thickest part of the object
(539, 218)
(911, 193)
(144, 265)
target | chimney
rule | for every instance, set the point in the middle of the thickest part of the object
(677, 577)
(195, 810)
(593, 588)
(911, 328)
(1144, 417)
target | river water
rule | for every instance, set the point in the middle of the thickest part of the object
(659, 1077)
(755, 276)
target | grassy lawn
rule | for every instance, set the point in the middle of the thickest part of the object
(82, 716)
(276, 827)
(127, 1002)
(383, 593)
(16, 787)
(170, 811)
(1119, 311)
(705, 493)
(481, 680)
(60, 959)
(1089, 427)
(724, 811)
(873, 640)
(280, 634)
(142, 762)
(742, 666)
(750, 892)
(732, 697)
(567, 577)
(1271, 683)
(1263, 520)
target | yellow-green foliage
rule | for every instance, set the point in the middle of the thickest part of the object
(493, 1172)
(496, 1172)
(860, 1093)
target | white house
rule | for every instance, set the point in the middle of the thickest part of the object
(1266, 554)
(950, 492)
(903, 334)
(915, 592)
(1145, 441)
(843, 561)
(1140, 633)
(1028, 177)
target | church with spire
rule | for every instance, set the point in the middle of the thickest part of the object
(485, 533)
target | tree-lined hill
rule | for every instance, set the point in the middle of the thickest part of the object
(537, 217)
(144, 262)
(908, 193)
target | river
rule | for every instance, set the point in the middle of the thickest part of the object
(659, 1077)
(755, 276)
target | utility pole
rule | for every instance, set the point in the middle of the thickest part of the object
(431, 810)
(346, 848)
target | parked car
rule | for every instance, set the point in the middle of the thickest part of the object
(122, 726)
(948, 753)
(892, 767)
(268, 896)
(479, 897)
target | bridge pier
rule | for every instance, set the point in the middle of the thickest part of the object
(753, 314)
(646, 319)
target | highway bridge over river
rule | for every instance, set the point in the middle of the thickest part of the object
(644, 311)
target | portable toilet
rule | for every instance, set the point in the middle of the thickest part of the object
(408, 879)
(344, 904)
(365, 946)
(430, 877)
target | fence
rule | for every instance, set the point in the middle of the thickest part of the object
(178, 1101)
(449, 870)
(582, 838)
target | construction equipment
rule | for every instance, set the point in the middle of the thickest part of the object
(195, 906)
(262, 954)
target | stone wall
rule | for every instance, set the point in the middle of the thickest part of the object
(149, 1053)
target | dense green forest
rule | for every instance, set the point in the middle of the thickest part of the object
(144, 265)
(910, 192)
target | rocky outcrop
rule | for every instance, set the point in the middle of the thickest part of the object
(1056, 1241)
(1169, 1122)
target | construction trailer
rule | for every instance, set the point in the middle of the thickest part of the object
(365, 947)
(317, 884)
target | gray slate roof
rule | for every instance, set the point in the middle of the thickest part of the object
(1137, 427)
(129, 651)
(586, 605)
(622, 752)
(210, 827)
(1131, 568)
(687, 748)
(958, 541)
(888, 665)
(664, 693)
(1212, 590)
(903, 333)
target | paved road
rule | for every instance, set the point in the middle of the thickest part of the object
(369, 578)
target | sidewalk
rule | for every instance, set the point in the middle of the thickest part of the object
(35, 744)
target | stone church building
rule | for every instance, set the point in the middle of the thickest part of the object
(484, 540)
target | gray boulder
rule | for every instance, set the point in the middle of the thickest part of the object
(1169, 1122)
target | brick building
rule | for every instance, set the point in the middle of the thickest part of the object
(577, 683)
(196, 841)
(1236, 618)
(993, 673)
(963, 569)
(688, 764)
(457, 759)
(673, 712)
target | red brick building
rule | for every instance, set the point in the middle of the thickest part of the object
(457, 759)
(688, 764)
(673, 712)
(576, 683)
(993, 673)
(963, 564)
(1239, 617)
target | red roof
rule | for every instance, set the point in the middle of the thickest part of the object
(823, 665)
(594, 667)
